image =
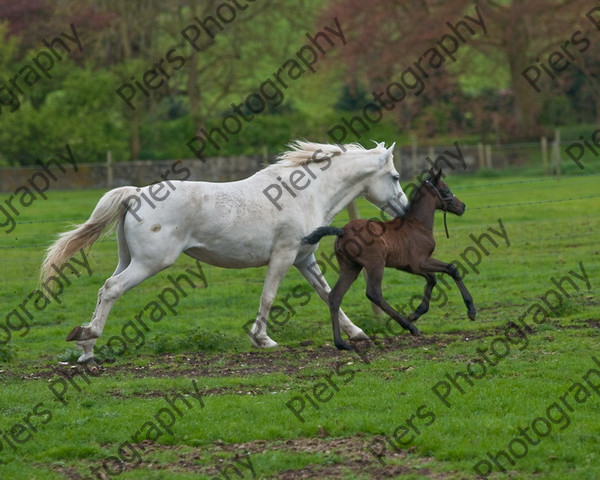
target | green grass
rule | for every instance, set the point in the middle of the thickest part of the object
(379, 396)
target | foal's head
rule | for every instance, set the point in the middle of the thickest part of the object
(444, 198)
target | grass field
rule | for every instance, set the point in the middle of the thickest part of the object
(518, 389)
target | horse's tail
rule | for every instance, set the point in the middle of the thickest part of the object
(321, 232)
(111, 207)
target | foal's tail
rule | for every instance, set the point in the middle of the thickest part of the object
(321, 232)
(111, 207)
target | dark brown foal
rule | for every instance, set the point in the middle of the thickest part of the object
(405, 243)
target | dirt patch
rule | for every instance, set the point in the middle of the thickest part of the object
(298, 361)
(593, 323)
(239, 389)
(346, 457)
(292, 361)
(287, 360)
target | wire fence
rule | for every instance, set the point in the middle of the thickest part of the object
(410, 161)
(23, 252)
(563, 238)
(21, 242)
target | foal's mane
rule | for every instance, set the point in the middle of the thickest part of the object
(415, 193)
(303, 152)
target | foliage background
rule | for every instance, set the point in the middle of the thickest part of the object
(480, 97)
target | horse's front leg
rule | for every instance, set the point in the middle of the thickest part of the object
(309, 268)
(434, 265)
(278, 267)
(424, 306)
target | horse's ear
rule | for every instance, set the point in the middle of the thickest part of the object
(438, 175)
(431, 174)
(384, 158)
(390, 151)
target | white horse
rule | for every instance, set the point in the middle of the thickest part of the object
(248, 223)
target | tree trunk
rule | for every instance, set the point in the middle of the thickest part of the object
(525, 107)
(135, 136)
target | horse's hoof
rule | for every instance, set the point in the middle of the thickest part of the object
(87, 361)
(75, 334)
(343, 346)
(262, 342)
(472, 316)
(415, 332)
(80, 333)
(360, 336)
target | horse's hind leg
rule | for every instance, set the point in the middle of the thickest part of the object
(348, 274)
(374, 278)
(424, 306)
(124, 253)
(115, 286)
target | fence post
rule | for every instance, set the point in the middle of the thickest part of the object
(480, 155)
(413, 154)
(556, 153)
(488, 156)
(431, 154)
(353, 214)
(109, 169)
(265, 155)
(544, 143)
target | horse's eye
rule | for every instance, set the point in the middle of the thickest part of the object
(396, 177)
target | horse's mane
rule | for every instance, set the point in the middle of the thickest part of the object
(303, 152)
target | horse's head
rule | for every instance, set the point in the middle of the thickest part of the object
(383, 188)
(445, 199)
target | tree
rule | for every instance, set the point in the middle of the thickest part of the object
(387, 34)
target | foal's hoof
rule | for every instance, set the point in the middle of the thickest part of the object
(343, 346)
(80, 333)
(415, 331)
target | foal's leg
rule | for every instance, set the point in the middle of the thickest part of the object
(309, 268)
(433, 265)
(348, 274)
(374, 278)
(424, 307)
